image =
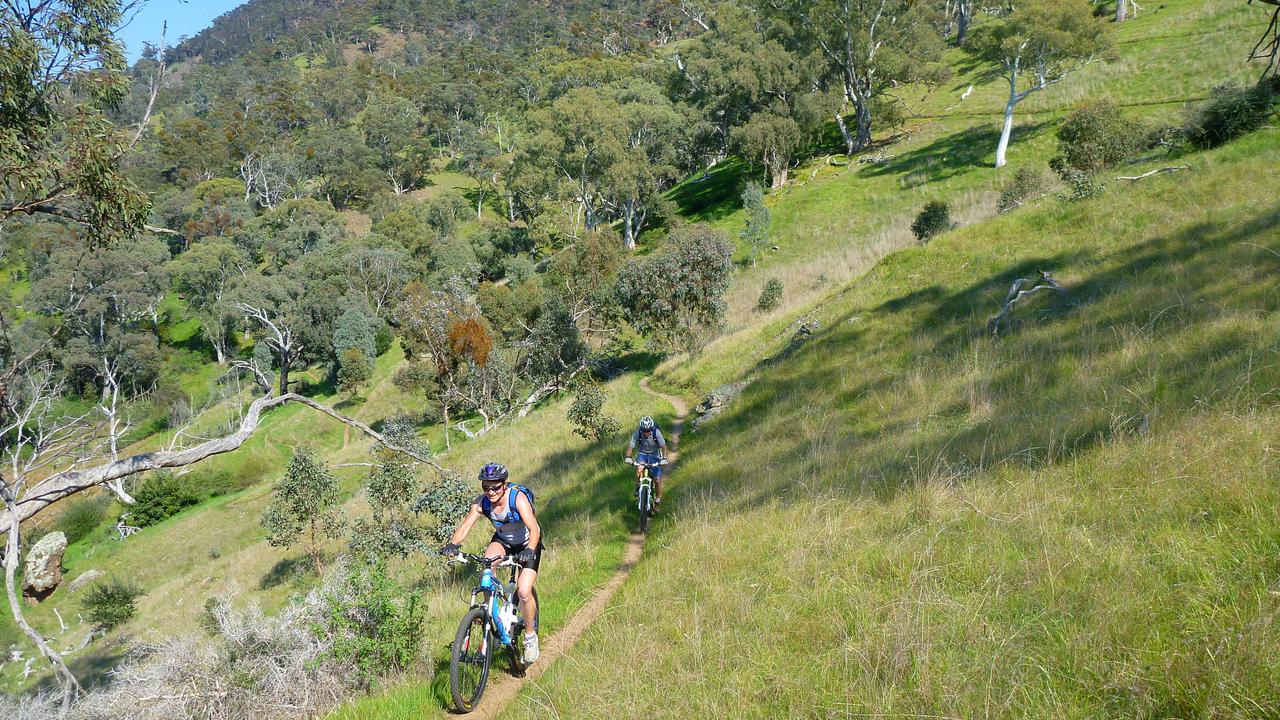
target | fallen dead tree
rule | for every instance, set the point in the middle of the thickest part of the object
(1158, 171)
(1021, 289)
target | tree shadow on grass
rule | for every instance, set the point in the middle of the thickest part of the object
(287, 571)
(92, 667)
(712, 195)
(952, 155)
(1147, 334)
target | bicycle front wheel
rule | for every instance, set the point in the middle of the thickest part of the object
(644, 506)
(469, 664)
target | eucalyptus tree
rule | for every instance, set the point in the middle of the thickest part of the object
(62, 73)
(755, 96)
(867, 47)
(611, 151)
(675, 298)
(1038, 44)
(206, 275)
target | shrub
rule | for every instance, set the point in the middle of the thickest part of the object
(81, 517)
(586, 412)
(161, 496)
(373, 623)
(1027, 184)
(1230, 112)
(382, 337)
(1082, 184)
(448, 502)
(935, 218)
(1094, 137)
(770, 295)
(353, 371)
(111, 603)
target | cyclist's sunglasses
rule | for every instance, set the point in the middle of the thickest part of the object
(492, 487)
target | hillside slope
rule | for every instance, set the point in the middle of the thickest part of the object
(908, 517)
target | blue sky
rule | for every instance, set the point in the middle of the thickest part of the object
(185, 18)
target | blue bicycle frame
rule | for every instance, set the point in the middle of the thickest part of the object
(496, 595)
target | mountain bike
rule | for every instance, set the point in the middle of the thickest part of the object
(493, 619)
(644, 490)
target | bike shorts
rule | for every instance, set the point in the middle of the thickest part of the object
(648, 458)
(513, 549)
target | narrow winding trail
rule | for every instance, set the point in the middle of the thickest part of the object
(503, 687)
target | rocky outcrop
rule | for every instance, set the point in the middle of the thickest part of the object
(43, 571)
(716, 402)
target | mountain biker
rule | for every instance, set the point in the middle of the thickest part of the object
(651, 449)
(516, 533)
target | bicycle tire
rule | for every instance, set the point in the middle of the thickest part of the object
(644, 507)
(466, 697)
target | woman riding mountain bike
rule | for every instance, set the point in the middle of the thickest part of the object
(516, 533)
(651, 449)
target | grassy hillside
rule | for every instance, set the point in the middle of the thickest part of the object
(833, 221)
(908, 517)
(904, 517)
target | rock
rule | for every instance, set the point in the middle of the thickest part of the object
(44, 566)
(716, 402)
(710, 413)
(721, 396)
(83, 579)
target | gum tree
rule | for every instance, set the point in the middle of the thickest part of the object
(1038, 44)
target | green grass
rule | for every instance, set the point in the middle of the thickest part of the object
(583, 505)
(903, 516)
(906, 517)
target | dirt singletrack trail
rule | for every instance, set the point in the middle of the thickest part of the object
(503, 687)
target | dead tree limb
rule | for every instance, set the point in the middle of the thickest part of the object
(1018, 291)
(69, 482)
(1158, 171)
(1268, 46)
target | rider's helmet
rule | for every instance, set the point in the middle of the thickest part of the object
(646, 424)
(493, 472)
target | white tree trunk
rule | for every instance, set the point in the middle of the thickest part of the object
(1007, 129)
(12, 546)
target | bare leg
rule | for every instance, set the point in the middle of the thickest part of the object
(528, 603)
(495, 550)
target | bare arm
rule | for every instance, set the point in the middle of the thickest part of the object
(526, 514)
(464, 527)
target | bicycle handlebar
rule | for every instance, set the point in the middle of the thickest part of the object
(632, 461)
(502, 561)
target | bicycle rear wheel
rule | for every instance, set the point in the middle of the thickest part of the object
(469, 663)
(644, 507)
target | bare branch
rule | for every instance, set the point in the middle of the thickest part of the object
(1149, 173)
(1017, 293)
(69, 482)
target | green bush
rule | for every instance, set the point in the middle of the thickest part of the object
(447, 502)
(770, 295)
(374, 623)
(111, 603)
(935, 218)
(81, 517)
(1230, 112)
(1027, 184)
(161, 496)
(586, 413)
(1094, 137)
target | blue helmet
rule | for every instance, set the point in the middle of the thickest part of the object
(492, 472)
(646, 423)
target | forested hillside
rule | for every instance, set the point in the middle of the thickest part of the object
(274, 292)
